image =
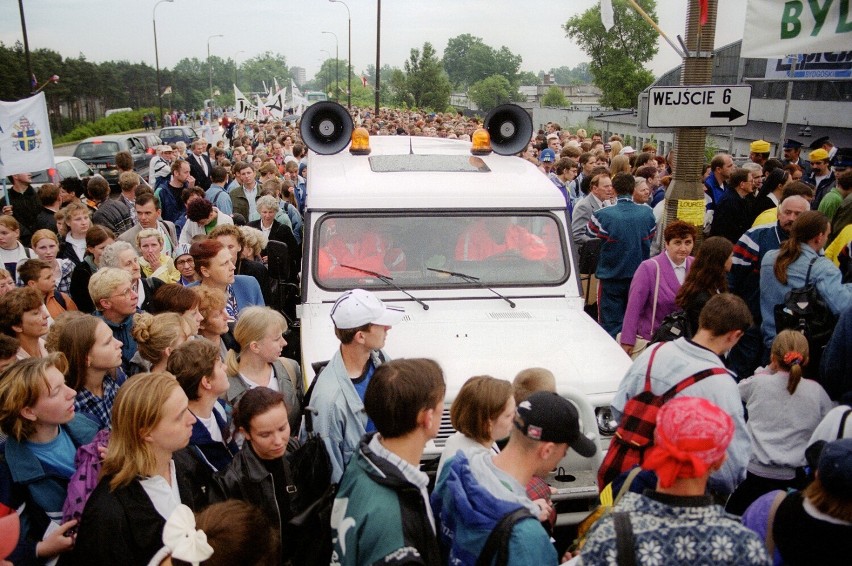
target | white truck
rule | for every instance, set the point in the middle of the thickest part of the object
(476, 248)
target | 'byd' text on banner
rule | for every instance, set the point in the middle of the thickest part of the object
(774, 28)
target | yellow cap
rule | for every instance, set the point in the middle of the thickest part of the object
(481, 142)
(818, 155)
(360, 142)
(759, 146)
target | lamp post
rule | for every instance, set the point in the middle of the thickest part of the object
(236, 68)
(327, 78)
(209, 66)
(157, 60)
(349, 55)
(336, 64)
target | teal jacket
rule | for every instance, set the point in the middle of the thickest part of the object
(379, 517)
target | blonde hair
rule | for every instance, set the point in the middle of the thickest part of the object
(20, 387)
(148, 233)
(619, 164)
(51, 341)
(254, 239)
(615, 147)
(43, 234)
(104, 282)
(9, 223)
(155, 333)
(253, 326)
(530, 380)
(790, 353)
(137, 410)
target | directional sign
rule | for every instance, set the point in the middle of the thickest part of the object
(698, 106)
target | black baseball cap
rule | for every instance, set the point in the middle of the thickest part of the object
(547, 417)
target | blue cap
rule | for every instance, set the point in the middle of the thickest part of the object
(547, 156)
(792, 144)
(843, 157)
(835, 468)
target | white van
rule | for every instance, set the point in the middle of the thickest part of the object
(476, 248)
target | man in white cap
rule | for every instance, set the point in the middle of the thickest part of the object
(361, 323)
(160, 164)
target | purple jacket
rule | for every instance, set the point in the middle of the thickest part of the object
(637, 319)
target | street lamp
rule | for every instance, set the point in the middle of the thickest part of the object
(236, 67)
(327, 78)
(336, 64)
(209, 66)
(349, 64)
(157, 59)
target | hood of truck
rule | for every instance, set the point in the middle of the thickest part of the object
(487, 337)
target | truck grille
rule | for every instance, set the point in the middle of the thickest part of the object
(445, 431)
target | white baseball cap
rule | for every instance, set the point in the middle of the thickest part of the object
(358, 307)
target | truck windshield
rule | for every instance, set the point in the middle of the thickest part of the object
(493, 249)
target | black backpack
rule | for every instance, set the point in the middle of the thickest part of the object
(312, 500)
(804, 310)
(675, 325)
(496, 549)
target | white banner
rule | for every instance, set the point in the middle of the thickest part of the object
(25, 142)
(245, 109)
(776, 29)
(275, 105)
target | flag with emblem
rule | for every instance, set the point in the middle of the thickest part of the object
(25, 142)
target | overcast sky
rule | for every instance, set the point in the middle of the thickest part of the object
(122, 29)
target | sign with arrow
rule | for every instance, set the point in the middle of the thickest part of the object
(701, 106)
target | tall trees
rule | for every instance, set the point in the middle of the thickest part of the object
(491, 92)
(425, 79)
(468, 60)
(617, 56)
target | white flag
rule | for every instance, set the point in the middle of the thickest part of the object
(607, 16)
(25, 142)
(245, 109)
(275, 105)
(167, 90)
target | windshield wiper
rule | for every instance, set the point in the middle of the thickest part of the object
(389, 281)
(472, 279)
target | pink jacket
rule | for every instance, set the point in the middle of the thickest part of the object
(637, 319)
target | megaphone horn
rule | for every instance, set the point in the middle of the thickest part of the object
(510, 128)
(326, 127)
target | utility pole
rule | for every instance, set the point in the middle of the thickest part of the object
(687, 184)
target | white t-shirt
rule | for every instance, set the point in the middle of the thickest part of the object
(212, 427)
(273, 383)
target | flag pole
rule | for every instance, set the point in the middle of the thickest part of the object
(6, 192)
(654, 25)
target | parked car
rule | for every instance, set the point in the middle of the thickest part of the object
(150, 141)
(175, 134)
(99, 153)
(66, 167)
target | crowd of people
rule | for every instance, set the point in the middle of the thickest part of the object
(148, 414)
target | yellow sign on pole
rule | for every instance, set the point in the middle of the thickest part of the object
(691, 211)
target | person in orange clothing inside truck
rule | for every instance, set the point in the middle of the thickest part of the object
(354, 245)
(488, 237)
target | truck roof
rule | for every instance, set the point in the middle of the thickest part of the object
(409, 172)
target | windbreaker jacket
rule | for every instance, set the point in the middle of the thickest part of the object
(380, 517)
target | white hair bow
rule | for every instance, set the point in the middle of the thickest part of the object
(185, 542)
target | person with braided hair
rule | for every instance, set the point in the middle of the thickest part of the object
(783, 411)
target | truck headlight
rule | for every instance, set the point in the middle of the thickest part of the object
(607, 425)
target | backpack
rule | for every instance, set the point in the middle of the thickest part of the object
(675, 325)
(804, 310)
(312, 500)
(635, 433)
(496, 549)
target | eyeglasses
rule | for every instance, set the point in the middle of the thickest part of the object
(126, 293)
